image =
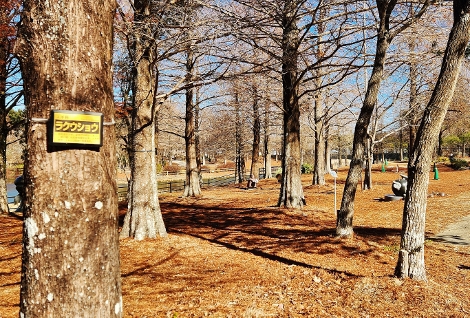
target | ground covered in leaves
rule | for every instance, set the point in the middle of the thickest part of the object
(233, 253)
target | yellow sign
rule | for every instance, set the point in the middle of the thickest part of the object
(76, 128)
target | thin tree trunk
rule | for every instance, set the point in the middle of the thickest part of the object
(368, 169)
(192, 186)
(411, 256)
(239, 157)
(70, 237)
(3, 125)
(319, 165)
(344, 221)
(267, 139)
(413, 109)
(256, 162)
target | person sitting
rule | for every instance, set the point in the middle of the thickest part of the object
(252, 182)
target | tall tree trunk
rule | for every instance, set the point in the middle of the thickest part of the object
(291, 194)
(319, 165)
(413, 108)
(267, 144)
(328, 165)
(70, 235)
(192, 186)
(197, 140)
(256, 162)
(3, 125)
(240, 152)
(344, 220)
(144, 218)
(411, 256)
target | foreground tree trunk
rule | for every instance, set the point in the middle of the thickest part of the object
(291, 193)
(344, 221)
(411, 256)
(144, 217)
(70, 239)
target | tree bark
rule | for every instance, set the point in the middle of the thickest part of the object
(291, 193)
(70, 236)
(411, 256)
(3, 125)
(144, 218)
(344, 220)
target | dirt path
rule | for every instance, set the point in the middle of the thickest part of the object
(459, 232)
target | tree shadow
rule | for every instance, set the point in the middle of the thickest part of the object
(269, 232)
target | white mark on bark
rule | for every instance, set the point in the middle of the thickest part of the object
(51, 229)
(68, 205)
(50, 297)
(80, 259)
(118, 306)
(99, 205)
(87, 220)
(32, 230)
(42, 236)
(46, 218)
(36, 274)
(37, 250)
(56, 214)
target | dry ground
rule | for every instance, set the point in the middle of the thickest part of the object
(232, 253)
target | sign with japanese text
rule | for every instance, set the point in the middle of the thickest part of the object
(69, 128)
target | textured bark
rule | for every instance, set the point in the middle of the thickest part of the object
(3, 125)
(411, 256)
(291, 193)
(144, 218)
(70, 239)
(344, 221)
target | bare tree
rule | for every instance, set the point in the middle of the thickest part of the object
(144, 218)
(70, 236)
(386, 31)
(411, 256)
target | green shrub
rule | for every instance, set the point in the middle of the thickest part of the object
(307, 168)
(458, 164)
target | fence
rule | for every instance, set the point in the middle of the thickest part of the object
(178, 185)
